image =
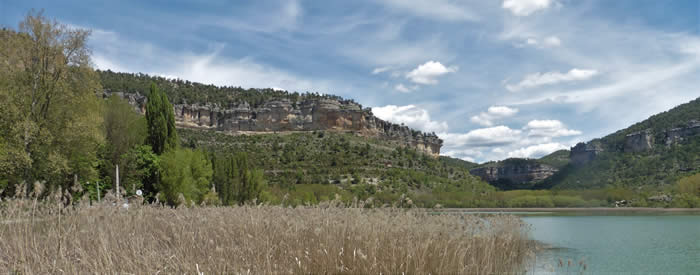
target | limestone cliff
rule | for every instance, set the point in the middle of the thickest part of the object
(681, 134)
(636, 142)
(514, 173)
(584, 153)
(284, 115)
(645, 140)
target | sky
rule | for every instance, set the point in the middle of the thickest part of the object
(494, 79)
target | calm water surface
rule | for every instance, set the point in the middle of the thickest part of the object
(637, 244)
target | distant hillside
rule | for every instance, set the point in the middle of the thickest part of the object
(233, 110)
(364, 165)
(652, 153)
(557, 159)
(519, 173)
(311, 143)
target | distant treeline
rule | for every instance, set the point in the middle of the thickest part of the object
(184, 91)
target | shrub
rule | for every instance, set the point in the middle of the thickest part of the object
(185, 172)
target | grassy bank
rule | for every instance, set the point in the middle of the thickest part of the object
(40, 237)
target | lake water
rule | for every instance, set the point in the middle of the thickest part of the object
(617, 244)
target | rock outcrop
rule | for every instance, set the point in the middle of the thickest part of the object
(678, 135)
(284, 115)
(644, 140)
(639, 141)
(514, 172)
(584, 153)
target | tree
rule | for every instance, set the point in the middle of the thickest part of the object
(235, 182)
(690, 185)
(160, 118)
(186, 173)
(140, 170)
(124, 130)
(51, 115)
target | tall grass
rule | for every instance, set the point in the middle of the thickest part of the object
(45, 237)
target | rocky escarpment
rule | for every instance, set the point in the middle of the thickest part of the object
(584, 153)
(681, 134)
(514, 173)
(639, 141)
(285, 115)
(636, 142)
(647, 140)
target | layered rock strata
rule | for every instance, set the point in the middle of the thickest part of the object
(584, 153)
(284, 115)
(639, 141)
(515, 173)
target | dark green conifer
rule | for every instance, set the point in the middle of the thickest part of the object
(162, 135)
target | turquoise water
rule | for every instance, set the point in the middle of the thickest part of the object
(641, 244)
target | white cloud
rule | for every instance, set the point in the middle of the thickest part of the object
(402, 88)
(493, 113)
(209, 67)
(493, 143)
(547, 42)
(526, 7)
(484, 137)
(439, 10)
(549, 78)
(380, 70)
(426, 73)
(395, 52)
(411, 116)
(292, 9)
(552, 41)
(548, 129)
(537, 151)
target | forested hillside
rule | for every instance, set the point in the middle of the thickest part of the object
(314, 165)
(651, 154)
(184, 91)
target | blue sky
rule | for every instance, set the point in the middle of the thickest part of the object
(494, 79)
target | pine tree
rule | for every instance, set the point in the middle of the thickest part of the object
(162, 135)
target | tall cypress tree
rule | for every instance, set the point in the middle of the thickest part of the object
(161, 121)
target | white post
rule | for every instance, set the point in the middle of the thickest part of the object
(117, 182)
(97, 183)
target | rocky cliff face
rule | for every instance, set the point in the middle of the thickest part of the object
(514, 173)
(644, 140)
(584, 153)
(284, 115)
(639, 141)
(681, 134)
(636, 142)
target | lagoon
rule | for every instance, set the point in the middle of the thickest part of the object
(617, 243)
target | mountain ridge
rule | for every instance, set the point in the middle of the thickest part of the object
(264, 110)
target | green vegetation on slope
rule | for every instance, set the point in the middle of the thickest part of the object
(310, 167)
(557, 159)
(183, 91)
(654, 169)
(676, 117)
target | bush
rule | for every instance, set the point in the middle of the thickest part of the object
(186, 172)
(531, 201)
(690, 185)
(568, 201)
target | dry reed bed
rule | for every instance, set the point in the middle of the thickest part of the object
(326, 239)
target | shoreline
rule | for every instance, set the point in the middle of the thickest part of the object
(564, 210)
